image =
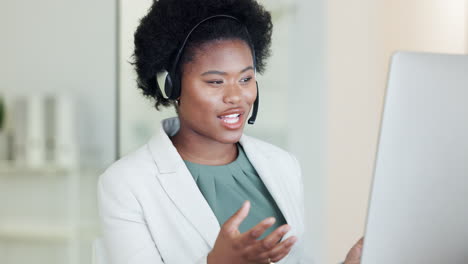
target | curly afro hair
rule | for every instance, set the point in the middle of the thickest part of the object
(162, 31)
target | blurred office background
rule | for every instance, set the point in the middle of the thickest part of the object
(69, 107)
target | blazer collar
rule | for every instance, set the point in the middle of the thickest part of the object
(163, 151)
(179, 184)
(182, 189)
(270, 169)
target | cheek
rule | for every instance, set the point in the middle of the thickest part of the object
(251, 94)
(196, 100)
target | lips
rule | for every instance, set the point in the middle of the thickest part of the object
(231, 119)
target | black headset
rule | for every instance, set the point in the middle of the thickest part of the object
(172, 84)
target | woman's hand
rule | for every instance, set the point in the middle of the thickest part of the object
(233, 247)
(355, 253)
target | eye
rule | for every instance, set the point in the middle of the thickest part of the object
(245, 80)
(215, 82)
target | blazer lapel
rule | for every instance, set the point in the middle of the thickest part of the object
(270, 173)
(180, 186)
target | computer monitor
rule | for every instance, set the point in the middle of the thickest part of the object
(418, 210)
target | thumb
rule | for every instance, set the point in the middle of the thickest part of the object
(360, 243)
(233, 223)
(355, 253)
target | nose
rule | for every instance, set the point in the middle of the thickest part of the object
(232, 94)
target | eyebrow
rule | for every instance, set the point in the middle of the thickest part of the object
(225, 73)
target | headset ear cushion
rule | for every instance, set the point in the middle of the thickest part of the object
(168, 86)
(175, 88)
(172, 87)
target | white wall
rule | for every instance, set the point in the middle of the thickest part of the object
(138, 118)
(65, 47)
(432, 26)
(306, 125)
(355, 76)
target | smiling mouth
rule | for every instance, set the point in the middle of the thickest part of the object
(230, 119)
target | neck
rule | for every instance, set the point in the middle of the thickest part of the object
(198, 149)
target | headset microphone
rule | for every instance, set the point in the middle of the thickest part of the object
(255, 108)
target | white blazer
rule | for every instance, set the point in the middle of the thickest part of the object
(152, 211)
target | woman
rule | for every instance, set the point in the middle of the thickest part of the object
(176, 199)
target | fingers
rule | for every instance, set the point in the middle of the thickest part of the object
(272, 239)
(282, 249)
(268, 243)
(360, 242)
(355, 253)
(257, 231)
(233, 223)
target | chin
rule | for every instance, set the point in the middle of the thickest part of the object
(229, 137)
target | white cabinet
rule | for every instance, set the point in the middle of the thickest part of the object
(41, 218)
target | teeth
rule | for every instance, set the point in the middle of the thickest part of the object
(231, 116)
(231, 121)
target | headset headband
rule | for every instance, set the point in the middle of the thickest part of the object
(181, 49)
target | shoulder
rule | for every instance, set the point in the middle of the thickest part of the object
(283, 162)
(269, 150)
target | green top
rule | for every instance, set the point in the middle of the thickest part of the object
(226, 187)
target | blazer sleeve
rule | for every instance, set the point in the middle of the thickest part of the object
(125, 233)
(127, 239)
